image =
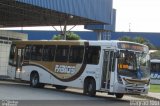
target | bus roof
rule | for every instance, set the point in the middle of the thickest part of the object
(107, 44)
(99, 42)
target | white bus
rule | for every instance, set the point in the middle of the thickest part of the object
(155, 71)
(116, 67)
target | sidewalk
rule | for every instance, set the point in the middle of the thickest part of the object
(154, 95)
(150, 95)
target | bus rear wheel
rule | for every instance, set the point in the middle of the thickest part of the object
(119, 95)
(89, 87)
(34, 81)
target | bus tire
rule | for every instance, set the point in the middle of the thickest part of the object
(85, 87)
(60, 87)
(119, 95)
(34, 80)
(90, 87)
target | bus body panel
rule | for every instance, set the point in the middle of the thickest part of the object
(48, 78)
(11, 71)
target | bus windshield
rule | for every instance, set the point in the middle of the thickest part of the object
(133, 64)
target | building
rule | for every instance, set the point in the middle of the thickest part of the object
(6, 38)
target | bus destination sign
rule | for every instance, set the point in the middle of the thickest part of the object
(130, 46)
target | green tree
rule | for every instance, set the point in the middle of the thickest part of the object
(57, 37)
(125, 38)
(141, 40)
(69, 36)
(72, 36)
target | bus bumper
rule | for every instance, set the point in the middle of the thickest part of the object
(131, 89)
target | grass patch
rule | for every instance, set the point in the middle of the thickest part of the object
(154, 88)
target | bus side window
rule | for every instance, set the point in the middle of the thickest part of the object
(76, 54)
(12, 54)
(92, 54)
(48, 53)
(153, 67)
(27, 52)
(36, 52)
(157, 67)
(62, 54)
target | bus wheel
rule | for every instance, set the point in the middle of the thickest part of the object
(60, 87)
(89, 87)
(34, 80)
(119, 95)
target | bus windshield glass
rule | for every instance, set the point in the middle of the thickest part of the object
(133, 64)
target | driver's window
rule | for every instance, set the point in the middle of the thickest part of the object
(127, 60)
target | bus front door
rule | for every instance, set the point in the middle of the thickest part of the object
(19, 61)
(107, 68)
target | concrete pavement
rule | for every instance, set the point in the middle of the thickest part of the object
(154, 95)
(150, 95)
(14, 93)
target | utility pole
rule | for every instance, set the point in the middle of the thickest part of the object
(64, 30)
(129, 27)
(65, 26)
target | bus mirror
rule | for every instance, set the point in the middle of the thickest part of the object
(117, 54)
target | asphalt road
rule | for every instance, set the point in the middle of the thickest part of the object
(25, 95)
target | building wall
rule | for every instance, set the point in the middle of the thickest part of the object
(4, 56)
(6, 35)
(5, 43)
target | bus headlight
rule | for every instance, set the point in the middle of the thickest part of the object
(18, 70)
(148, 82)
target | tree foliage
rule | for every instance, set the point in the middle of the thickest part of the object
(141, 40)
(125, 38)
(57, 37)
(72, 36)
(69, 36)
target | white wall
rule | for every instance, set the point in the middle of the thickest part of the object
(5, 45)
(13, 34)
(4, 56)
